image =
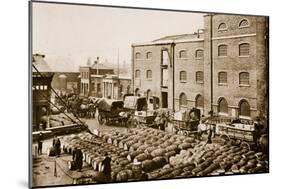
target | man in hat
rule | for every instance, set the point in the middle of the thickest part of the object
(56, 145)
(78, 158)
(106, 163)
(40, 143)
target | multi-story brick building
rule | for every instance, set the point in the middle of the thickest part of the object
(223, 69)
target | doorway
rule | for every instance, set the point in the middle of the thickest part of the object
(164, 100)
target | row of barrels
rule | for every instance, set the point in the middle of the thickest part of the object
(150, 147)
(213, 159)
(93, 149)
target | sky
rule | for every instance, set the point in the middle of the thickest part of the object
(69, 34)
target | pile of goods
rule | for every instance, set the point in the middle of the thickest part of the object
(150, 147)
(93, 149)
(165, 155)
(61, 119)
(213, 159)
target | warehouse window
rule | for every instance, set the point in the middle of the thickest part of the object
(199, 53)
(244, 108)
(244, 23)
(137, 74)
(222, 26)
(138, 55)
(222, 77)
(199, 77)
(222, 50)
(149, 74)
(182, 54)
(244, 78)
(244, 49)
(148, 55)
(223, 106)
(199, 101)
(182, 75)
(183, 100)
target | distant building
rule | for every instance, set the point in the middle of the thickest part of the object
(66, 82)
(91, 79)
(98, 80)
(223, 70)
(115, 87)
(41, 90)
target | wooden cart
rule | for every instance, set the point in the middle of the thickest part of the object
(109, 111)
(238, 133)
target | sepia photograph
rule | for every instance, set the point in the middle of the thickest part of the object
(126, 94)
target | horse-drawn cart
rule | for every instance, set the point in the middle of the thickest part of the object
(188, 123)
(109, 111)
(238, 133)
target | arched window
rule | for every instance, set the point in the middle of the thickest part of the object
(199, 77)
(199, 101)
(223, 106)
(222, 50)
(138, 55)
(183, 100)
(199, 53)
(148, 93)
(244, 108)
(148, 55)
(243, 23)
(244, 78)
(244, 49)
(182, 54)
(148, 74)
(222, 26)
(222, 77)
(137, 90)
(137, 74)
(182, 75)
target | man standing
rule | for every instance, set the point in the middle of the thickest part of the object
(106, 163)
(56, 145)
(40, 143)
(78, 158)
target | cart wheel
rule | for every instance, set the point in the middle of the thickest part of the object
(100, 119)
(225, 139)
(185, 133)
(245, 145)
(180, 132)
(237, 142)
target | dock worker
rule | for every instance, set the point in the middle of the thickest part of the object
(78, 158)
(40, 143)
(106, 163)
(57, 145)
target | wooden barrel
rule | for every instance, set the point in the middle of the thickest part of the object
(96, 163)
(122, 176)
(100, 167)
(71, 165)
(137, 169)
(51, 151)
(141, 157)
(147, 165)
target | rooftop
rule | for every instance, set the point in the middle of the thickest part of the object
(38, 60)
(180, 38)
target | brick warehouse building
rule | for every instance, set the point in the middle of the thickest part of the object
(222, 68)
